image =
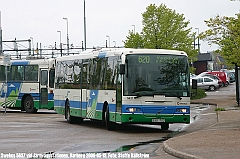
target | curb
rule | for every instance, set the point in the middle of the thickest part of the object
(180, 154)
(177, 153)
(204, 103)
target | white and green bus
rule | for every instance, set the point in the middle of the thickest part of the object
(30, 84)
(124, 86)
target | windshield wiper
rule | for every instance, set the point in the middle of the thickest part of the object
(143, 93)
(138, 95)
(168, 94)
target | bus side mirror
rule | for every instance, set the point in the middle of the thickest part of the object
(122, 69)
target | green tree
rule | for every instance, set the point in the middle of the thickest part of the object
(134, 40)
(224, 32)
(163, 28)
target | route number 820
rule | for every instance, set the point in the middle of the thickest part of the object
(143, 59)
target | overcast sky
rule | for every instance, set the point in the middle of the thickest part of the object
(41, 19)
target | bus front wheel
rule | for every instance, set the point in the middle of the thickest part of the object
(29, 105)
(67, 113)
(109, 125)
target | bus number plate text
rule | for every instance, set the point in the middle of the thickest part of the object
(158, 120)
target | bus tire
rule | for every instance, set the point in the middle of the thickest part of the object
(109, 125)
(164, 126)
(29, 105)
(104, 113)
(67, 113)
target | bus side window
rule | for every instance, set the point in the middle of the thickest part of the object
(2, 73)
(16, 74)
(31, 73)
(44, 77)
(51, 78)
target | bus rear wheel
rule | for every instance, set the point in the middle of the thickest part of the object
(109, 125)
(29, 105)
(67, 113)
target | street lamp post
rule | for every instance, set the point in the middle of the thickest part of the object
(133, 29)
(85, 38)
(237, 70)
(108, 40)
(115, 43)
(198, 44)
(1, 49)
(32, 46)
(60, 41)
(67, 36)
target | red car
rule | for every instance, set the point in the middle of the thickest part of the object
(222, 75)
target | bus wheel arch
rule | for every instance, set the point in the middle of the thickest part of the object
(28, 104)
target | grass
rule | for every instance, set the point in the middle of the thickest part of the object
(198, 94)
(220, 109)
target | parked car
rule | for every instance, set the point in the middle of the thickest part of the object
(220, 82)
(206, 83)
(222, 75)
(230, 74)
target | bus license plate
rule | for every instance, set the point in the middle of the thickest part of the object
(158, 120)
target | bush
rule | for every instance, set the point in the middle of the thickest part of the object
(198, 94)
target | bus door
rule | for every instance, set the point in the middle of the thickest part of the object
(119, 98)
(92, 98)
(87, 102)
(44, 87)
(83, 104)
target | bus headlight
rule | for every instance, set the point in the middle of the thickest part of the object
(132, 109)
(181, 110)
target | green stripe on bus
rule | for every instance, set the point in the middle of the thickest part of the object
(128, 118)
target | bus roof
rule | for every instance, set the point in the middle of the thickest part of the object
(28, 61)
(106, 52)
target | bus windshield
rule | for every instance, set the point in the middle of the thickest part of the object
(154, 74)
